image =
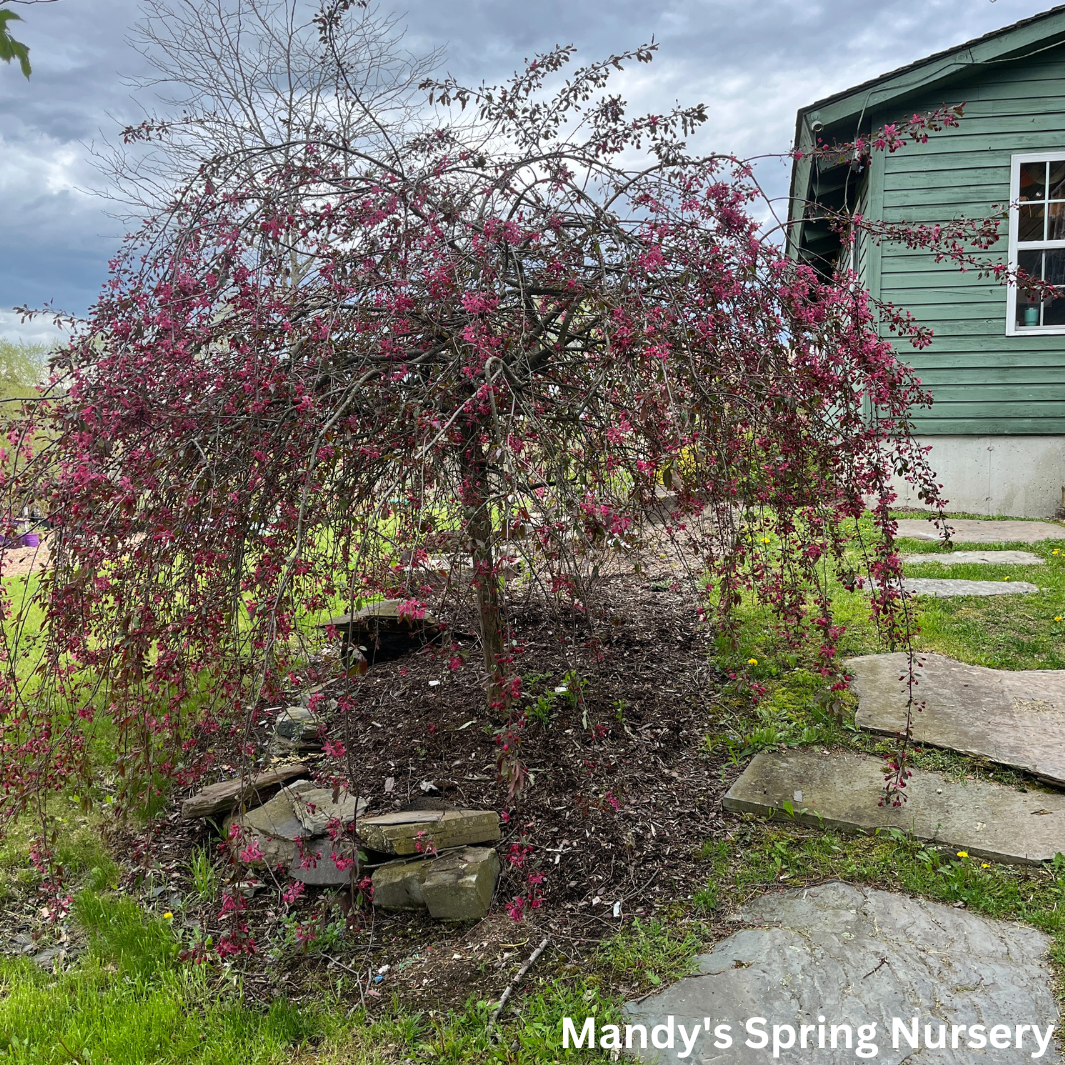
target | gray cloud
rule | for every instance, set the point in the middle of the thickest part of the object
(752, 63)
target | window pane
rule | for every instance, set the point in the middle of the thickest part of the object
(1033, 181)
(1054, 266)
(1057, 181)
(1031, 262)
(1054, 310)
(1031, 221)
(1056, 221)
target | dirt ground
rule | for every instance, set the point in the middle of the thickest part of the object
(21, 561)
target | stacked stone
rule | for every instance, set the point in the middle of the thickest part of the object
(437, 868)
(442, 863)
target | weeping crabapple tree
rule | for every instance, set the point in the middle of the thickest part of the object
(531, 314)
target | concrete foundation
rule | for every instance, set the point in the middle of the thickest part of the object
(1008, 476)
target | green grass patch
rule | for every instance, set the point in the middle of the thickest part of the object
(129, 1002)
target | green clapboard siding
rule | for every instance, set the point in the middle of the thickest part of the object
(982, 381)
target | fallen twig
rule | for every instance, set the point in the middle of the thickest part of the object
(512, 986)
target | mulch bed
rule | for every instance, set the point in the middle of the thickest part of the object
(624, 794)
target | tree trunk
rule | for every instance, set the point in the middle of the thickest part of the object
(482, 550)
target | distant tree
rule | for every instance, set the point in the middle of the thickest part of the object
(22, 367)
(239, 87)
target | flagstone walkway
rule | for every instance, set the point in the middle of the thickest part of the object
(971, 531)
(945, 588)
(929, 983)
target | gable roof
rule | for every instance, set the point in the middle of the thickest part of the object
(1017, 41)
(841, 116)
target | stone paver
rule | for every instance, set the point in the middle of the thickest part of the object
(966, 558)
(1016, 718)
(971, 531)
(854, 957)
(843, 790)
(414, 831)
(220, 798)
(945, 588)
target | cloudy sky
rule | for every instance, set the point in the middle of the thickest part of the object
(752, 62)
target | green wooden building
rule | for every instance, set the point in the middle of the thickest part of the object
(996, 367)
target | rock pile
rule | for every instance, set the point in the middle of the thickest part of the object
(273, 820)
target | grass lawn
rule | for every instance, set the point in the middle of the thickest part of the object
(129, 1000)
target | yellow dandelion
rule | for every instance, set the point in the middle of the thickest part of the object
(1005, 578)
(752, 661)
(963, 854)
(168, 916)
(1058, 618)
(1056, 551)
(985, 865)
(766, 540)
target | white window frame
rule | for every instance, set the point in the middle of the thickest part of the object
(1016, 162)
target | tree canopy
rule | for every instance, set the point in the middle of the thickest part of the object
(350, 353)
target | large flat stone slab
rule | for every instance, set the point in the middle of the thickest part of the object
(945, 588)
(982, 558)
(843, 790)
(271, 830)
(1016, 718)
(316, 864)
(971, 531)
(316, 809)
(857, 956)
(424, 831)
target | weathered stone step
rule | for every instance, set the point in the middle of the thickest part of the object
(222, 797)
(834, 954)
(981, 558)
(1013, 717)
(417, 831)
(843, 790)
(971, 531)
(946, 588)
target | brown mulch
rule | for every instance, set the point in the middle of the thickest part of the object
(623, 795)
